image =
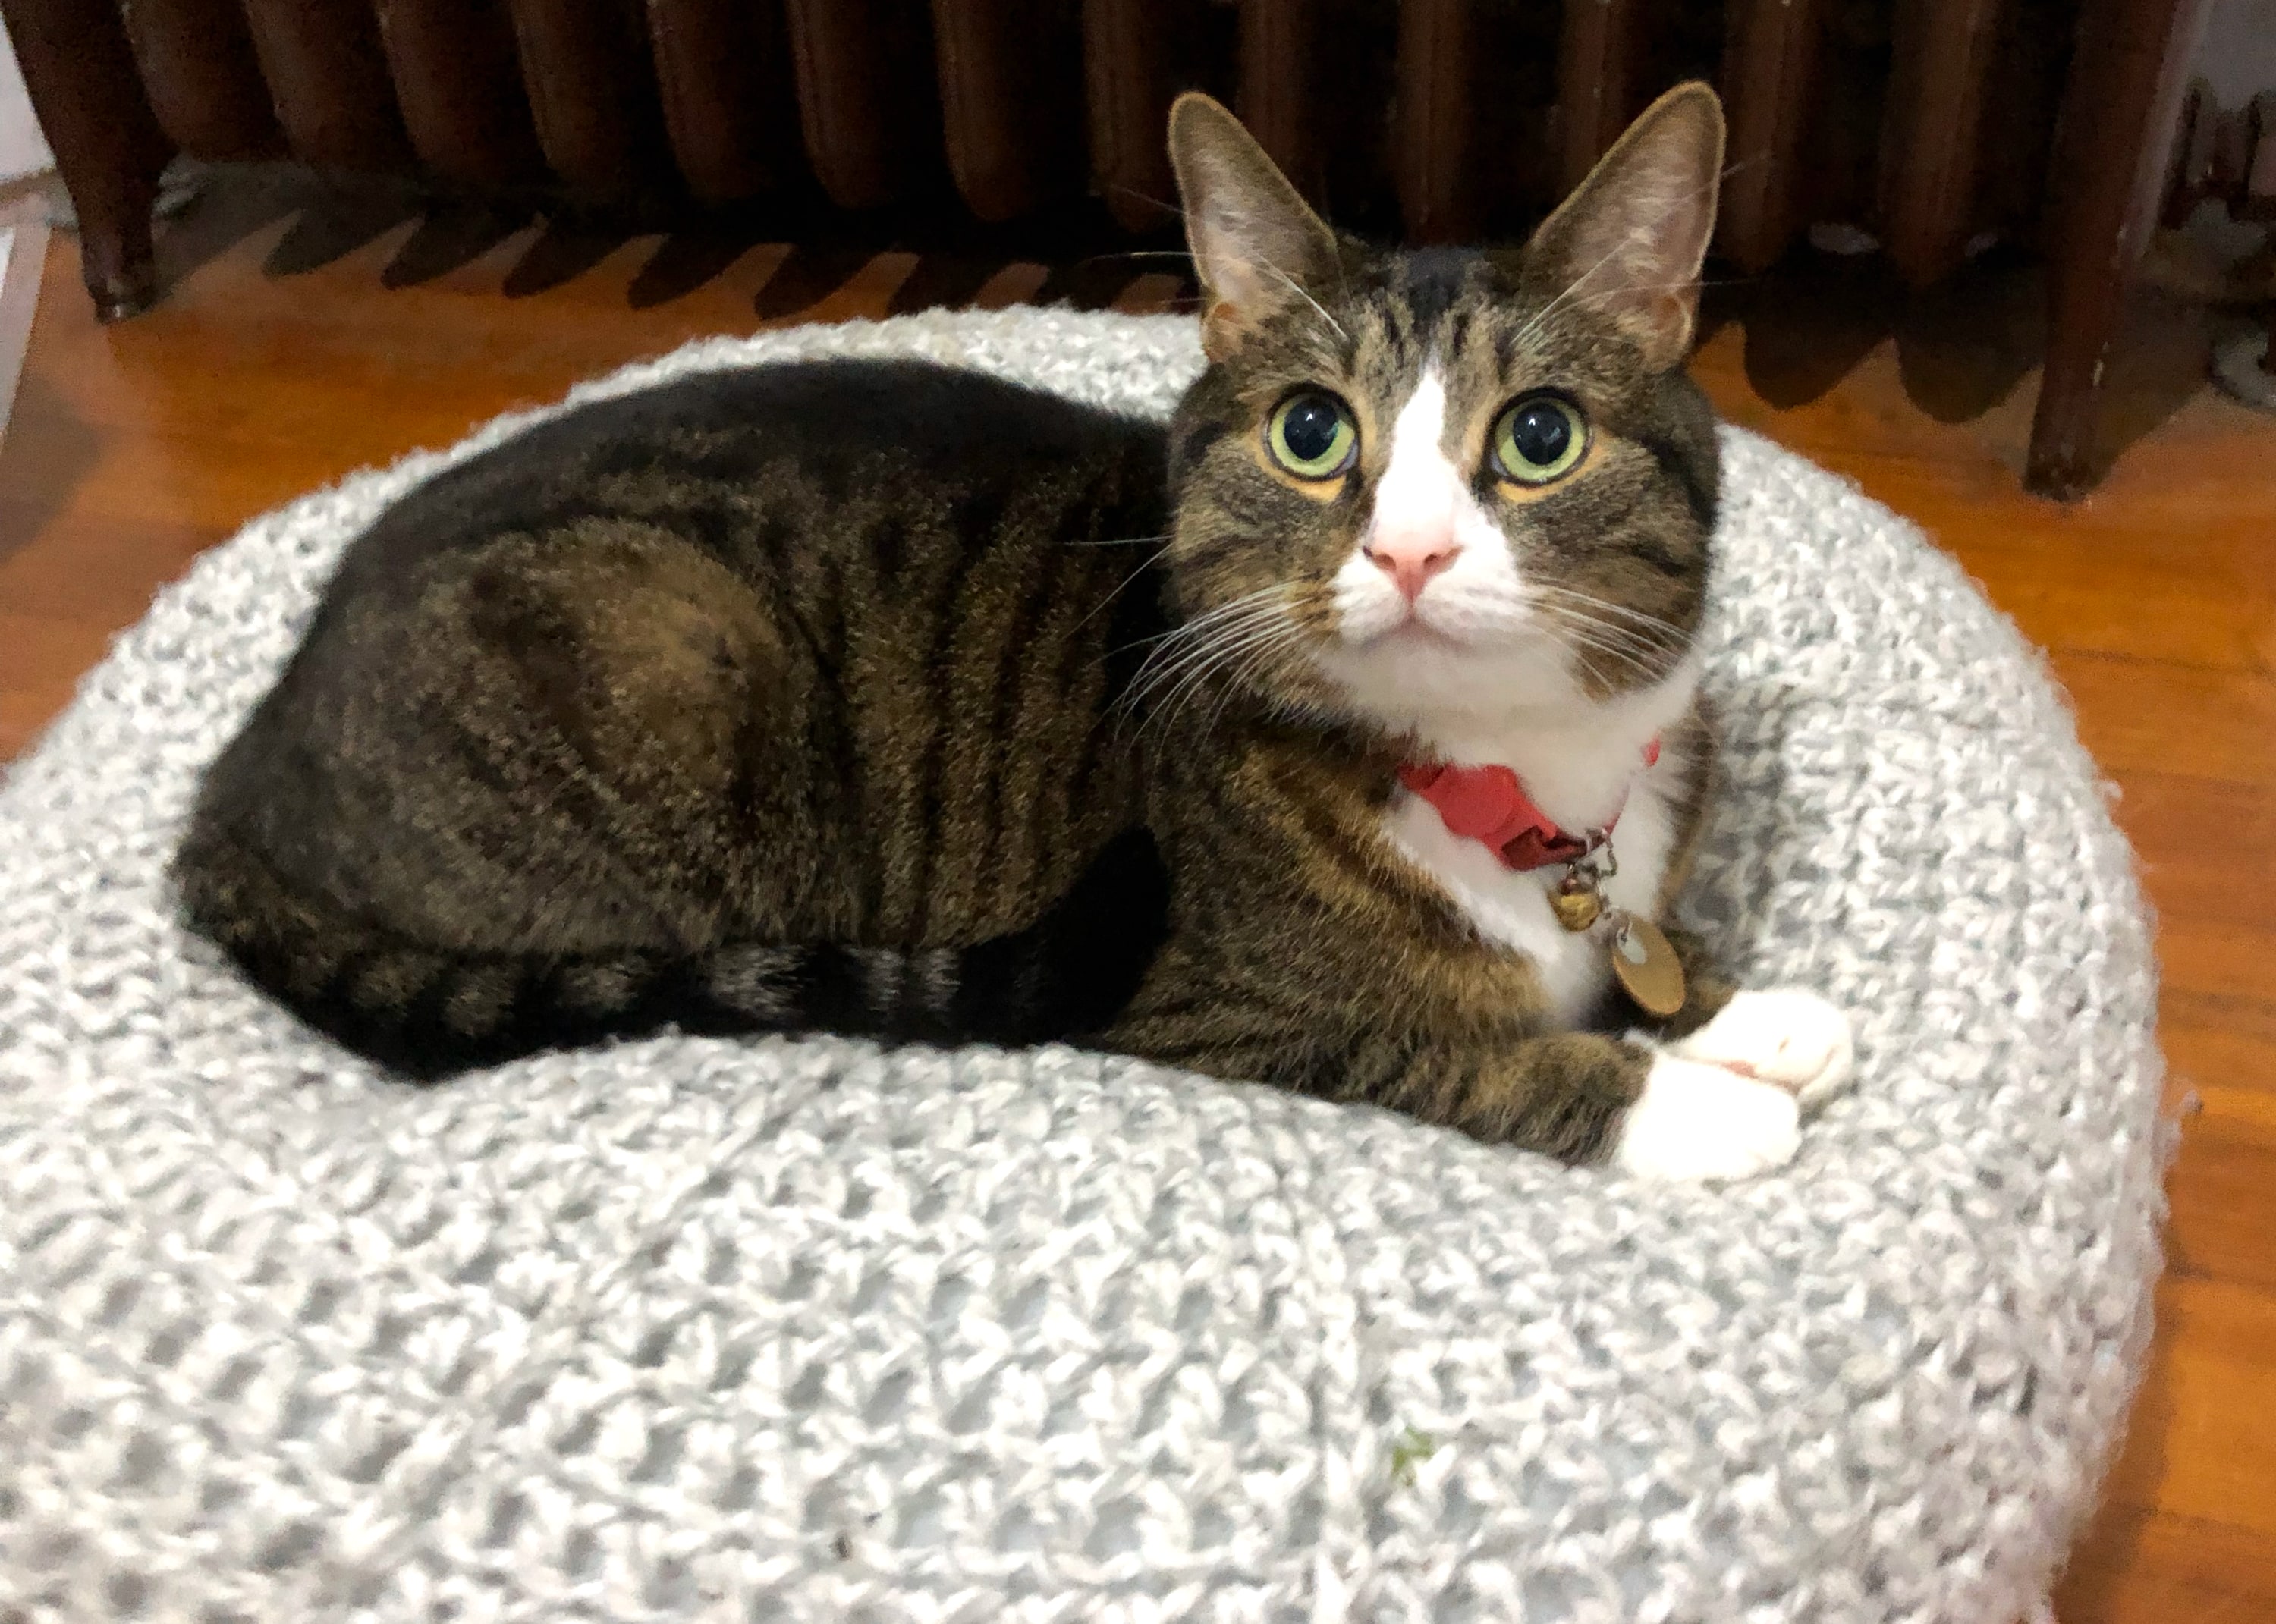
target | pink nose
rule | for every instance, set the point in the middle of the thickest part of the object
(1411, 561)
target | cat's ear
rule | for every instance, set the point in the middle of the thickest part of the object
(1628, 243)
(1255, 244)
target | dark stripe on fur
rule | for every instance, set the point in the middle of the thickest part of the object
(1695, 482)
(405, 1004)
(1432, 280)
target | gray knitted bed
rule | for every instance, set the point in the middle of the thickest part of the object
(805, 1331)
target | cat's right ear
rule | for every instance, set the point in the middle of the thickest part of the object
(1628, 243)
(1255, 244)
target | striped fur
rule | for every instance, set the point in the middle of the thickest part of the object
(766, 701)
(887, 699)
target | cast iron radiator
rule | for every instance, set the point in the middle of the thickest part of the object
(1925, 121)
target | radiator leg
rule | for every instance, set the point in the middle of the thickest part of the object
(2121, 115)
(107, 145)
(117, 260)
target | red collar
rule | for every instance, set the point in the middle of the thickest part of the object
(1490, 804)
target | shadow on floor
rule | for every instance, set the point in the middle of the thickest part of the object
(48, 452)
(1961, 348)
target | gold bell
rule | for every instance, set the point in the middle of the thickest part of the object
(1578, 905)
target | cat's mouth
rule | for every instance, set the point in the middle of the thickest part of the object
(1414, 630)
(1443, 627)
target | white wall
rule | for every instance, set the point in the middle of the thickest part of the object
(22, 152)
(2239, 57)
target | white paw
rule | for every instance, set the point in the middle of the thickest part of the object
(1696, 1121)
(1786, 1037)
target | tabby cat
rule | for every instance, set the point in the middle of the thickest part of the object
(1280, 742)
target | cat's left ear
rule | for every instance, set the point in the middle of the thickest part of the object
(1628, 243)
(1255, 244)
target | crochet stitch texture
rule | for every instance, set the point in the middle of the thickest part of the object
(805, 1331)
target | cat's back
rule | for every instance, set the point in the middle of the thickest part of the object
(769, 454)
(654, 708)
(815, 652)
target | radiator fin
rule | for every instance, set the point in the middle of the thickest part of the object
(723, 70)
(457, 79)
(196, 60)
(327, 81)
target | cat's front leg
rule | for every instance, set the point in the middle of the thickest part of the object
(1591, 1098)
(1676, 1117)
(1783, 1035)
(1584, 1097)
(1698, 1121)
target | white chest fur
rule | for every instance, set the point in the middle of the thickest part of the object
(1477, 666)
(1510, 906)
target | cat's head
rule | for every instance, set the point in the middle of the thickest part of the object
(1428, 489)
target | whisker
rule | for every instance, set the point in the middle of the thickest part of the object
(1543, 589)
(1582, 649)
(1655, 287)
(1182, 645)
(1253, 631)
(1203, 624)
(1616, 618)
(1643, 636)
(1574, 286)
(1136, 253)
(1612, 636)
(1225, 688)
(1297, 288)
(1124, 586)
(1649, 637)
(1579, 639)
(1197, 624)
(1219, 649)
(1290, 633)
(1606, 606)
(1147, 197)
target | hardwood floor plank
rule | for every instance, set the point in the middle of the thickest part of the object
(2219, 957)
(2203, 1432)
(2205, 618)
(46, 659)
(2218, 1230)
(2145, 716)
(2223, 1042)
(2135, 1567)
(2204, 845)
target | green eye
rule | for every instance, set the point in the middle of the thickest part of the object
(1539, 439)
(1311, 436)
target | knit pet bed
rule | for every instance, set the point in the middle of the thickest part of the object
(804, 1330)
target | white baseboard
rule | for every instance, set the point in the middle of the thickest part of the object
(23, 255)
(23, 151)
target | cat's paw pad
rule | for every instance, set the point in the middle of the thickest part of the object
(1784, 1035)
(1694, 1121)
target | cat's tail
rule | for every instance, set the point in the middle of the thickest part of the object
(429, 1013)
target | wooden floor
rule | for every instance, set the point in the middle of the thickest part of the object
(134, 447)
